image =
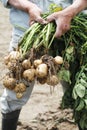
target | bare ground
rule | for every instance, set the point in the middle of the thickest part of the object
(42, 111)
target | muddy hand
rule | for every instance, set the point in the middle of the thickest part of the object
(62, 21)
(35, 15)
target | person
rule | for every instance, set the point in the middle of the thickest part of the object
(23, 13)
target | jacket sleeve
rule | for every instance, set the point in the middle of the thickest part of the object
(5, 3)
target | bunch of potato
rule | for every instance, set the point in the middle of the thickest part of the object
(23, 69)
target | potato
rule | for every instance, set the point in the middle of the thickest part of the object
(9, 83)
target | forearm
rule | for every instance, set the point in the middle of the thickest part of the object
(75, 8)
(78, 6)
(24, 5)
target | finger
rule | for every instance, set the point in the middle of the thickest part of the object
(41, 20)
(59, 31)
(31, 22)
(61, 28)
(50, 18)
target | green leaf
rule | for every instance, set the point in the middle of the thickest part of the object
(70, 50)
(54, 8)
(80, 106)
(64, 75)
(84, 48)
(82, 123)
(80, 90)
(83, 82)
(74, 94)
(86, 123)
(85, 100)
(85, 69)
(83, 76)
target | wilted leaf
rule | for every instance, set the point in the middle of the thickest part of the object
(70, 50)
(64, 75)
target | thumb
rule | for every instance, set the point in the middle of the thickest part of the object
(41, 20)
(50, 18)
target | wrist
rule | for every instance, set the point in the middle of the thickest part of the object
(24, 5)
(75, 8)
(30, 6)
(78, 6)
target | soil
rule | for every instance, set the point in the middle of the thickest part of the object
(42, 111)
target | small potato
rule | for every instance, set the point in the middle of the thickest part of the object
(19, 95)
(9, 83)
(20, 87)
(14, 55)
(41, 70)
(58, 60)
(52, 80)
(26, 64)
(37, 62)
(7, 59)
(29, 74)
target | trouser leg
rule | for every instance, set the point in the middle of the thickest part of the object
(10, 107)
(9, 120)
(9, 102)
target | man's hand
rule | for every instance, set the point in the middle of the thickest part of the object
(32, 9)
(64, 17)
(35, 15)
(62, 20)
